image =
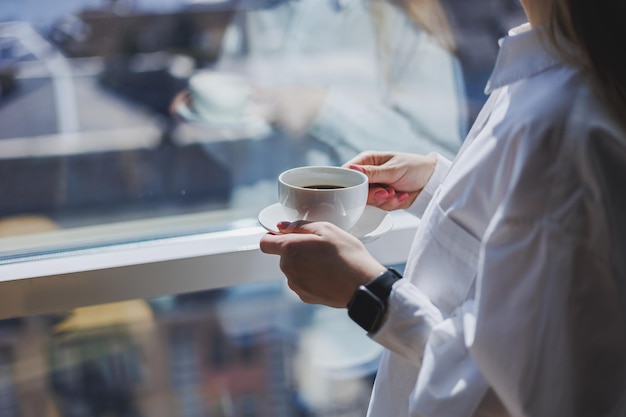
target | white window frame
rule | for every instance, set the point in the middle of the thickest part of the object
(63, 280)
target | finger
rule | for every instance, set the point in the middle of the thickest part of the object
(276, 244)
(401, 200)
(291, 227)
(298, 231)
(271, 243)
(402, 197)
(380, 194)
(305, 227)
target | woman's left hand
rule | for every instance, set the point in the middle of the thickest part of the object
(323, 263)
(292, 108)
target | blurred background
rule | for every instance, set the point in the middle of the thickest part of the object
(86, 132)
(92, 154)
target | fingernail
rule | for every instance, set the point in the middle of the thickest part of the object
(283, 225)
(357, 168)
(402, 196)
(381, 194)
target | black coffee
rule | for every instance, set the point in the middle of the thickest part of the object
(324, 187)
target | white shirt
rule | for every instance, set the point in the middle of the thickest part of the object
(389, 89)
(517, 275)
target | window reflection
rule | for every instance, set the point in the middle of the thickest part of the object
(84, 111)
(89, 134)
(253, 350)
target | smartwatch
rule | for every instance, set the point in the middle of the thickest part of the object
(368, 304)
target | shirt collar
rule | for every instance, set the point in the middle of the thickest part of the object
(522, 54)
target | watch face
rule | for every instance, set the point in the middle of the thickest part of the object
(366, 309)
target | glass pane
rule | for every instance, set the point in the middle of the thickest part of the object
(253, 350)
(114, 126)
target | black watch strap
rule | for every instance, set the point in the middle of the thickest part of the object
(368, 305)
(381, 285)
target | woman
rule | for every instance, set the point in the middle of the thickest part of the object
(343, 76)
(514, 296)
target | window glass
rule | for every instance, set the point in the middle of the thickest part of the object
(157, 357)
(125, 120)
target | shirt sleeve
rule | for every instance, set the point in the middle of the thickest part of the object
(409, 322)
(425, 196)
(419, 333)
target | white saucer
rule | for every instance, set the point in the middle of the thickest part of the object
(373, 223)
(250, 124)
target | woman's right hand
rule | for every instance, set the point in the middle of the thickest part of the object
(395, 178)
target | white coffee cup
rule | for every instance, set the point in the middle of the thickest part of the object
(219, 96)
(323, 193)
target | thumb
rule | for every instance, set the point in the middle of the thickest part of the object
(303, 227)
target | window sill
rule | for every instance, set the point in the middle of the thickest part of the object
(68, 279)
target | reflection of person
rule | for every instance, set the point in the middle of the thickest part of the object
(352, 74)
(514, 301)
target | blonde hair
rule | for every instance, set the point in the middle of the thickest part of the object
(597, 29)
(430, 16)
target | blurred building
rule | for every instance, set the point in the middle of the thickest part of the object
(92, 134)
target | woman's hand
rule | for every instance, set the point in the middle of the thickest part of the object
(292, 108)
(323, 263)
(396, 179)
(183, 97)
